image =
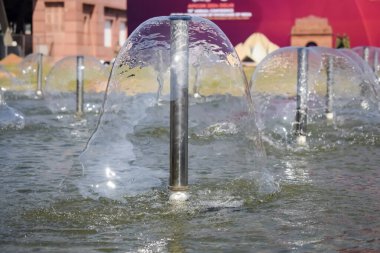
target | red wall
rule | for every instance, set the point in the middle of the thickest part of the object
(359, 19)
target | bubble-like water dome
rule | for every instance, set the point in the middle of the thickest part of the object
(10, 118)
(61, 88)
(297, 96)
(33, 70)
(129, 152)
(370, 55)
(8, 80)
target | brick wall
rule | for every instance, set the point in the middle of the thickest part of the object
(73, 27)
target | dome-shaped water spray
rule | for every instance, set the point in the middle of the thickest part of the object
(10, 118)
(162, 114)
(32, 70)
(10, 81)
(299, 91)
(371, 55)
(76, 84)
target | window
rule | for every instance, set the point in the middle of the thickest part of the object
(122, 33)
(54, 16)
(87, 23)
(108, 33)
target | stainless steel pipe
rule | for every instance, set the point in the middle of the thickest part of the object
(329, 88)
(366, 54)
(39, 75)
(80, 85)
(179, 102)
(376, 62)
(302, 96)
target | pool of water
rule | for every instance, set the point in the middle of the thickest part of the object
(324, 199)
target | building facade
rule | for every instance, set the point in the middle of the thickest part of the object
(79, 27)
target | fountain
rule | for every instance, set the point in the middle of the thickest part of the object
(371, 55)
(321, 196)
(330, 85)
(10, 81)
(302, 95)
(33, 69)
(76, 84)
(10, 118)
(179, 106)
(136, 130)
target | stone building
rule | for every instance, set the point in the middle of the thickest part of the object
(311, 30)
(73, 27)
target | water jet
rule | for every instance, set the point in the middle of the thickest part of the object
(39, 75)
(76, 85)
(10, 118)
(300, 123)
(371, 56)
(179, 106)
(338, 82)
(80, 87)
(330, 88)
(33, 69)
(183, 134)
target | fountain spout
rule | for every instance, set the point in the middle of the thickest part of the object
(366, 54)
(80, 88)
(39, 76)
(376, 62)
(179, 89)
(329, 88)
(302, 94)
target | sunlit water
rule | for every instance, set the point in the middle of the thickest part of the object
(327, 200)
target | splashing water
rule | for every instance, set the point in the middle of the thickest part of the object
(129, 152)
(355, 97)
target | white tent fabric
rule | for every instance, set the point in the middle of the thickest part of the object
(256, 47)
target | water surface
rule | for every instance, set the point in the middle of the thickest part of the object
(327, 200)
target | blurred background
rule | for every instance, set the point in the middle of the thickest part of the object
(98, 28)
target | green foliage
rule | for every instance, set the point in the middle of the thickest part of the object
(342, 41)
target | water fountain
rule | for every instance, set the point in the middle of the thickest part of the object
(117, 199)
(371, 56)
(9, 81)
(302, 95)
(136, 130)
(76, 85)
(10, 118)
(33, 70)
(295, 89)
